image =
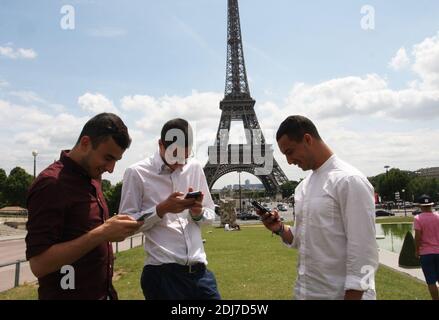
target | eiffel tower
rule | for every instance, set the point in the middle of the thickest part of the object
(238, 105)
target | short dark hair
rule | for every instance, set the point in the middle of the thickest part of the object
(295, 127)
(179, 124)
(103, 126)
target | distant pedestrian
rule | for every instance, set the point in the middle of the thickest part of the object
(427, 243)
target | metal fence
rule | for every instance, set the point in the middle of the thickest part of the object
(18, 263)
(17, 270)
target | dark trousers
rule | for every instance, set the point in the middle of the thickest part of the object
(177, 282)
(430, 267)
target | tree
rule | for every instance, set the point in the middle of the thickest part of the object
(407, 257)
(112, 196)
(287, 188)
(386, 184)
(393, 181)
(3, 178)
(422, 185)
(16, 187)
(106, 185)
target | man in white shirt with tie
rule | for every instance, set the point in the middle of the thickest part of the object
(334, 230)
(175, 267)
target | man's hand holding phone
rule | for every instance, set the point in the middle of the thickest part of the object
(175, 203)
(197, 209)
(271, 220)
(119, 227)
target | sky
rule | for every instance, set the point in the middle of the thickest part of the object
(365, 72)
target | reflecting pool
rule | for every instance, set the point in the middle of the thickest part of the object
(394, 234)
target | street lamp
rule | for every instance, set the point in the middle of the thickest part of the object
(240, 200)
(387, 176)
(403, 199)
(35, 153)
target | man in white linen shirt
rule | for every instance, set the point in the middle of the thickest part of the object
(175, 267)
(334, 230)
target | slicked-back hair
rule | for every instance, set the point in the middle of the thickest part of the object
(177, 124)
(295, 127)
(104, 126)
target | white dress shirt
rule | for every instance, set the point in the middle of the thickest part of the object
(175, 238)
(335, 233)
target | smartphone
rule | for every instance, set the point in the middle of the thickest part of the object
(195, 194)
(259, 206)
(143, 216)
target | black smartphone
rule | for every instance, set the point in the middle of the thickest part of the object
(259, 206)
(143, 216)
(195, 195)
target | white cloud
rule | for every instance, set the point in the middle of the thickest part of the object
(369, 96)
(20, 53)
(426, 63)
(400, 60)
(25, 128)
(95, 103)
(27, 96)
(138, 103)
(198, 107)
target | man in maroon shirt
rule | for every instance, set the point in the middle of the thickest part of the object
(69, 231)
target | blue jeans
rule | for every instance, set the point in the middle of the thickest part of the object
(176, 282)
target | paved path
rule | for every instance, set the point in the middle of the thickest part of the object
(13, 250)
(390, 259)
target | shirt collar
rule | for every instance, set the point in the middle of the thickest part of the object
(70, 164)
(326, 164)
(160, 165)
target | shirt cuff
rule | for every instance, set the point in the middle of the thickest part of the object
(150, 220)
(288, 245)
(356, 283)
(154, 217)
(199, 218)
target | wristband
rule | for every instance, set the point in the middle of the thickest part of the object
(197, 218)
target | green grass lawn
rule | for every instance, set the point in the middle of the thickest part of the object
(394, 219)
(248, 264)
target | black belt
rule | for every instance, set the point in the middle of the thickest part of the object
(193, 268)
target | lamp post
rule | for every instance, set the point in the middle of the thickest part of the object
(240, 201)
(35, 153)
(403, 201)
(387, 177)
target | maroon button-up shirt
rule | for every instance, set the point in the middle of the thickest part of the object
(64, 203)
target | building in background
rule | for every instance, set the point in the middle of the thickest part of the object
(428, 172)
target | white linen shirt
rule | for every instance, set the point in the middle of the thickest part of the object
(175, 238)
(335, 233)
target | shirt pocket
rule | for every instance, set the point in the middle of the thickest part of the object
(322, 212)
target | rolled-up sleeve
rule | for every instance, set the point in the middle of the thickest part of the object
(357, 206)
(208, 204)
(295, 243)
(132, 197)
(45, 217)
